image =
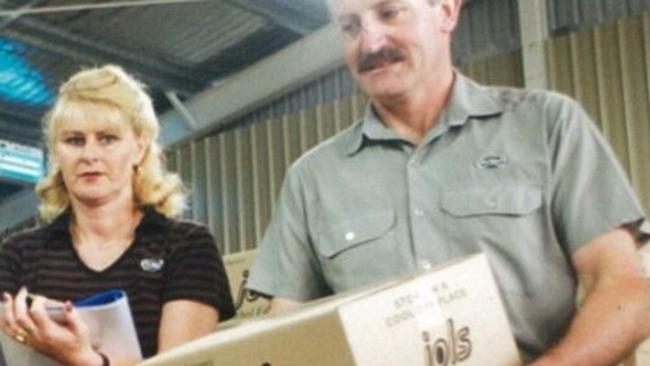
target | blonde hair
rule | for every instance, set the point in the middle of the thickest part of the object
(110, 88)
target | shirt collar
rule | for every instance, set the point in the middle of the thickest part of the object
(468, 99)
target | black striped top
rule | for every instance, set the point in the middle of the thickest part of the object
(45, 261)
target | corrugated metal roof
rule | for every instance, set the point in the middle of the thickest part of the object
(187, 34)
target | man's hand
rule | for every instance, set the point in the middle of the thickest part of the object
(65, 339)
(281, 305)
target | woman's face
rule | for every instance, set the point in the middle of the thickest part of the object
(96, 150)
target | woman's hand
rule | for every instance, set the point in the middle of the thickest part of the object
(65, 339)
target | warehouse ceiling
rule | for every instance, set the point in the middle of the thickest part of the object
(177, 47)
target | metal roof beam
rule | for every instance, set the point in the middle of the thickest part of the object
(181, 108)
(30, 10)
(280, 14)
(257, 85)
(7, 21)
(150, 68)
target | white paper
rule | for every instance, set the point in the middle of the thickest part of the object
(111, 331)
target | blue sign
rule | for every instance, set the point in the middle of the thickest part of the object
(20, 163)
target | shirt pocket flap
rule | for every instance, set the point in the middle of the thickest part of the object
(353, 231)
(505, 199)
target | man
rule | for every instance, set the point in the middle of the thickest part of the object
(441, 167)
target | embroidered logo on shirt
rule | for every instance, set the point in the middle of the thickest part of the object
(152, 264)
(491, 162)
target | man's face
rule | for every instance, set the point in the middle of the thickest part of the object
(395, 46)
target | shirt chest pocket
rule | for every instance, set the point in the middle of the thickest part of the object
(359, 249)
(354, 231)
(512, 199)
(499, 217)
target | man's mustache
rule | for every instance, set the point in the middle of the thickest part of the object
(369, 61)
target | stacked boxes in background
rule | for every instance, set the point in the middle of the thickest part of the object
(248, 305)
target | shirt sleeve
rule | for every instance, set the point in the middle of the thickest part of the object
(286, 265)
(195, 271)
(591, 192)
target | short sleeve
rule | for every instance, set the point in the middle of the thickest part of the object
(195, 271)
(286, 265)
(591, 192)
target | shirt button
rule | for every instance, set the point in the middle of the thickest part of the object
(350, 235)
(417, 212)
(425, 265)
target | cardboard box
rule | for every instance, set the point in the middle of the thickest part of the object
(642, 355)
(248, 305)
(448, 316)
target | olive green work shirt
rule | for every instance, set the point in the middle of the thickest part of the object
(523, 176)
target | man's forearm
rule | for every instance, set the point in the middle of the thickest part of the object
(614, 318)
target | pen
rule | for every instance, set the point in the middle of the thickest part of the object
(30, 299)
(54, 311)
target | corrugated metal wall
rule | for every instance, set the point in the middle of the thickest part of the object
(505, 69)
(570, 15)
(235, 176)
(607, 68)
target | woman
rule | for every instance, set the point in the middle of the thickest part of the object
(109, 205)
